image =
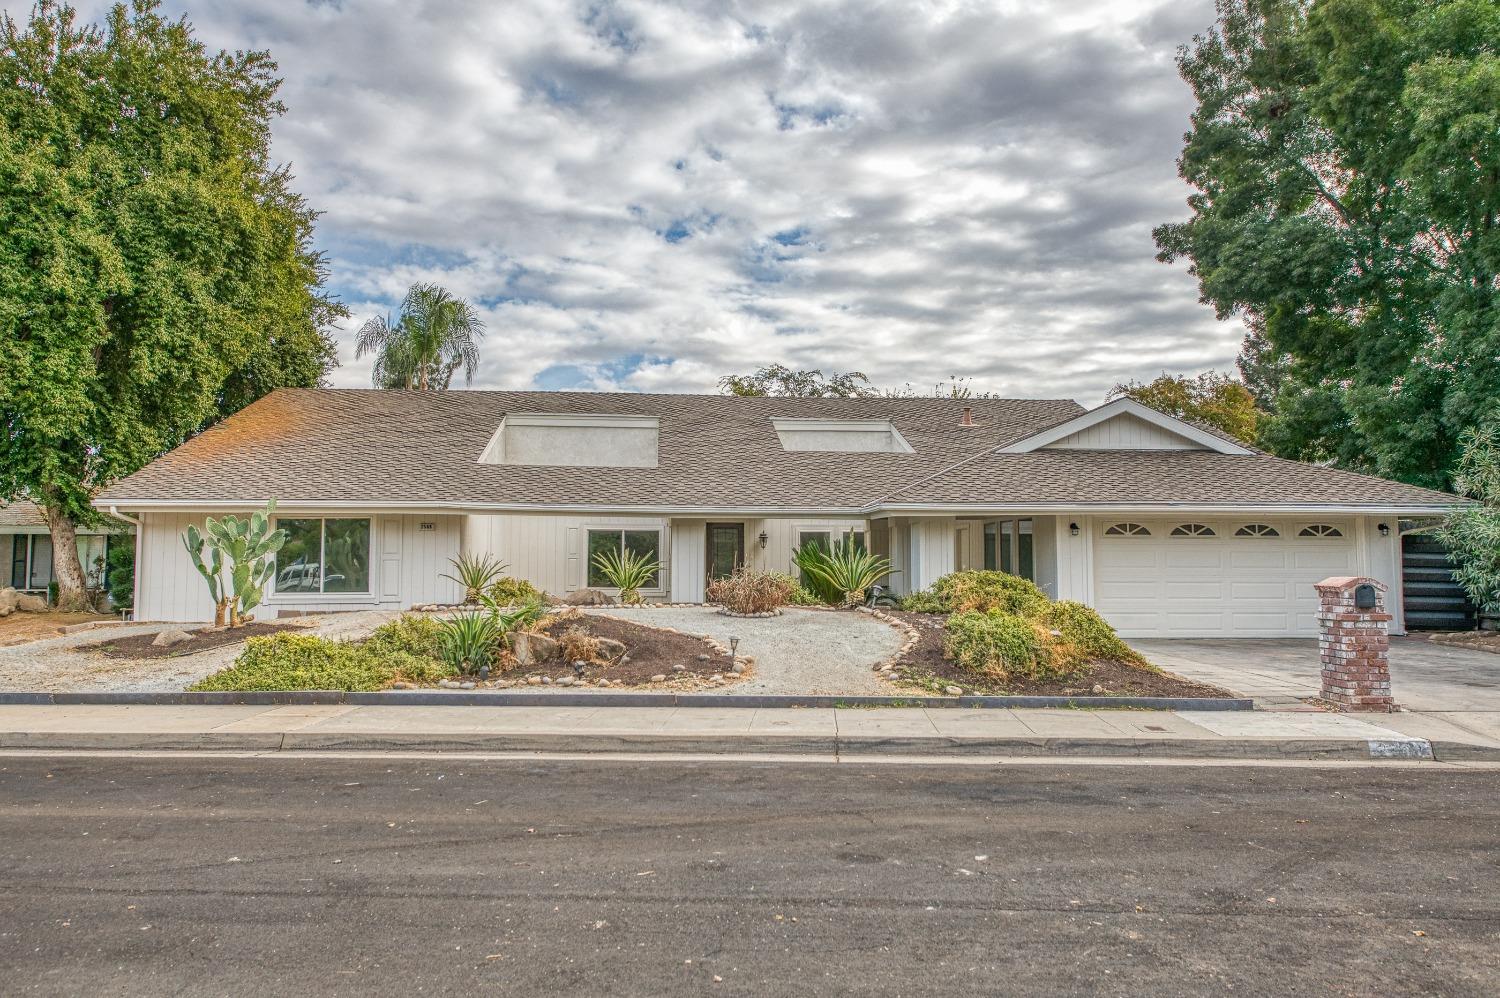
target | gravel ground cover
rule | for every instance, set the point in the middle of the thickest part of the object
(801, 652)
(62, 665)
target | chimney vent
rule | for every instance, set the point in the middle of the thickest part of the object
(968, 416)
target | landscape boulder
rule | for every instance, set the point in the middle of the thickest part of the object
(532, 649)
(589, 597)
(171, 636)
(7, 602)
(31, 602)
(610, 649)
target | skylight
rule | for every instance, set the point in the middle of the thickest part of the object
(574, 440)
(863, 436)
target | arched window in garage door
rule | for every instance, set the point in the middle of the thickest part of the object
(1257, 530)
(1192, 530)
(1126, 530)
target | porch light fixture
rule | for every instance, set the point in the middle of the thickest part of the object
(763, 538)
(1073, 529)
(1384, 528)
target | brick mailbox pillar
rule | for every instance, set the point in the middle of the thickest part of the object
(1354, 644)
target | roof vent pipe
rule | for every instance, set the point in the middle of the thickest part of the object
(968, 416)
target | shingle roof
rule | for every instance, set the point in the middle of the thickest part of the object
(362, 446)
(21, 514)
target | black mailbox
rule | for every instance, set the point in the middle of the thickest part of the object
(1364, 596)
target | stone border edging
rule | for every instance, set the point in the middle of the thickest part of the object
(475, 698)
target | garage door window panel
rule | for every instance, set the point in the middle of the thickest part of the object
(1192, 530)
(1257, 530)
(1126, 530)
(1320, 530)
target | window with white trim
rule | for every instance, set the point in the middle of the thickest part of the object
(1192, 530)
(1257, 530)
(324, 555)
(643, 542)
(1320, 530)
(1126, 530)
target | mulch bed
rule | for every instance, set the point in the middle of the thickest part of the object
(649, 651)
(925, 666)
(139, 646)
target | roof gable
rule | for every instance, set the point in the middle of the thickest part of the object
(1124, 424)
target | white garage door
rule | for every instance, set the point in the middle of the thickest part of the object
(1216, 578)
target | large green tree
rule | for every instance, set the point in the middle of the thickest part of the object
(157, 267)
(780, 380)
(1211, 398)
(1346, 160)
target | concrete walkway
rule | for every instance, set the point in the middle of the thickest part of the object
(719, 731)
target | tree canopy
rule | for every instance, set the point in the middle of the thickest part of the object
(1346, 160)
(436, 334)
(158, 267)
(1472, 534)
(1211, 398)
(780, 380)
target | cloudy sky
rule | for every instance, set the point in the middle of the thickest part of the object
(647, 194)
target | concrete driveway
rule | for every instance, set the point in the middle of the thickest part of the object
(1276, 672)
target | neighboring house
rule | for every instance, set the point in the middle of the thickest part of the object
(26, 546)
(1165, 527)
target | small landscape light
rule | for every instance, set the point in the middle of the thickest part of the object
(1385, 529)
(578, 668)
(734, 644)
(484, 673)
(1073, 529)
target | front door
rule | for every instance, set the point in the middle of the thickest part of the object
(726, 549)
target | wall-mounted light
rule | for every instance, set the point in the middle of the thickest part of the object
(763, 538)
(1073, 529)
(1385, 529)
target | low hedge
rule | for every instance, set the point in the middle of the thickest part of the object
(509, 591)
(1004, 626)
(1008, 646)
(306, 662)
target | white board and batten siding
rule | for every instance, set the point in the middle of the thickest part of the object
(551, 551)
(1124, 432)
(408, 555)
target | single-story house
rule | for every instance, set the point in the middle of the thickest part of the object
(1167, 528)
(26, 544)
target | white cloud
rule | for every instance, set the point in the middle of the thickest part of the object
(651, 194)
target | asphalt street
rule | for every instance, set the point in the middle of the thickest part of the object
(324, 876)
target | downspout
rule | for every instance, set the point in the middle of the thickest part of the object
(135, 589)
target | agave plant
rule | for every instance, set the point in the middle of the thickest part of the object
(628, 572)
(843, 575)
(476, 573)
(510, 618)
(468, 641)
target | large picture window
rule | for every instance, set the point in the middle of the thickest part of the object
(324, 556)
(641, 543)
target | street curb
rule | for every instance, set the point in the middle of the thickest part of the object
(850, 747)
(465, 698)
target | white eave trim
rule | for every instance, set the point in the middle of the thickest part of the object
(1090, 509)
(1120, 406)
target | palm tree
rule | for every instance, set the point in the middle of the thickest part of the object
(436, 334)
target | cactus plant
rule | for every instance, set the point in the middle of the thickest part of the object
(246, 547)
(212, 571)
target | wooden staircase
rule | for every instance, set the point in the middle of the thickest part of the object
(1432, 601)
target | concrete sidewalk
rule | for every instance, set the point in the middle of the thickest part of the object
(834, 732)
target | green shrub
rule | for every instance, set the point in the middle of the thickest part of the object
(925, 601)
(509, 591)
(306, 662)
(409, 633)
(120, 572)
(1086, 632)
(797, 593)
(1006, 646)
(982, 591)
